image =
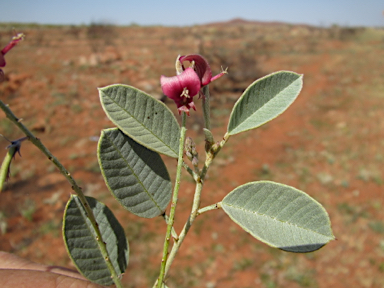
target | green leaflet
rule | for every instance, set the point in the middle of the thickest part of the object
(279, 215)
(80, 240)
(136, 176)
(143, 118)
(264, 100)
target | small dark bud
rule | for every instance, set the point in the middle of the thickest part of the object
(16, 144)
(14, 148)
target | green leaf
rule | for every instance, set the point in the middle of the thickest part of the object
(80, 240)
(143, 118)
(264, 100)
(208, 136)
(136, 176)
(280, 216)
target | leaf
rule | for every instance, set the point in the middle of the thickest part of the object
(264, 100)
(143, 118)
(136, 176)
(80, 240)
(279, 215)
(208, 136)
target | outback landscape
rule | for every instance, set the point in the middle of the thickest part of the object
(329, 143)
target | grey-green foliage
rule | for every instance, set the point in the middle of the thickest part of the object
(145, 119)
(80, 240)
(279, 215)
(264, 100)
(135, 175)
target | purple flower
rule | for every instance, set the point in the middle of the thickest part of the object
(10, 45)
(182, 88)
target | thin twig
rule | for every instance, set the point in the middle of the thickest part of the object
(36, 141)
(174, 202)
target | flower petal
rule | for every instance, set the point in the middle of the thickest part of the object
(13, 43)
(9, 46)
(181, 89)
(191, 81)
(179, 66)
(201, 67)
(185, 108)
(173, 87)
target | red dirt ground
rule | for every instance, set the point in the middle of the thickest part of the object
(329, 143)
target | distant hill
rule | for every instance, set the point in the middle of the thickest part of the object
(241, 21)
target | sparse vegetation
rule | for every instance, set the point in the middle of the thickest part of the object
(339, 111)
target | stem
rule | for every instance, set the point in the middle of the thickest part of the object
(167, 260)
(196, 201)
(171, 219)
(212, 154)
(36, 141)
(209, 208)
(173, 232)
(189, 170)
(187, 226)
(5, 166)
(206, 107)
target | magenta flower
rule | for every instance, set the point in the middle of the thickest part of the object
(10, 45)
(181, 89)
(201, 67)
(188, 82)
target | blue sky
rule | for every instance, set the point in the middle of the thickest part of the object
(181, 13)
